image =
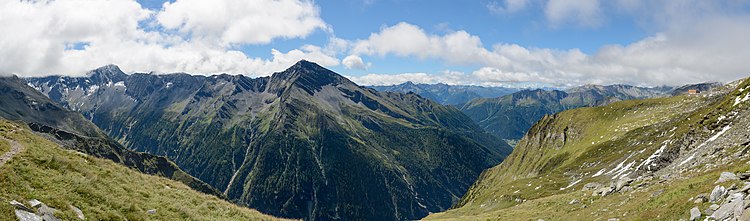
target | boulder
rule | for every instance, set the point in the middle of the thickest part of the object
(592, 186)
(701, 198)
(604, 191)
(35, 203)
(626, 189)
(24, 215)
(745, 187)
(574, 201)
(20, 206)
(695, 214)
(726, 176)
(734, 205)
(744, 176)
(78, 212)
(151, 211)
(622, 183)
(716, 194)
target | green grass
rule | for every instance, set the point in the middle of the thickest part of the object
(102, 189)
(672, 204)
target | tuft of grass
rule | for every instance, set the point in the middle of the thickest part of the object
(102, 189)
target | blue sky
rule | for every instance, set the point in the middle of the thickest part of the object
(485, 42)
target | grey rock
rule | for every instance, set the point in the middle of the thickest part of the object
(574, 201)
(716, 194)
(20, 206)
(35, 203)
(151, 211)
(613, 219)
(626, 189)
(701, 198)
(745, 187)
(604, 191)
(730, 209)
(48, 217)
(622, 183)
(592, 186)
(45, 210)
(78, 212)
(726, 176)
(695, 214)
(23, 215)
(744, 176)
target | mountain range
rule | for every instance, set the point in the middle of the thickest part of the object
(448, 94)
(302, 143)
(510, 116)
(678, 157)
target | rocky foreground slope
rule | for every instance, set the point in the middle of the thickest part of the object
(682, 157)
(302, 143)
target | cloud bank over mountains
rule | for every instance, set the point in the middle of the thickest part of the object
(692, 41)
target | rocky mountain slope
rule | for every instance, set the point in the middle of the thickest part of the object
(655, 159)
(19, 102)
(44, 179)
(302, 143)
(510, 116)
(447, 94)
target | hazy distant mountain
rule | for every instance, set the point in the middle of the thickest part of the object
(510, 116)
(448, 94)
(302, 143)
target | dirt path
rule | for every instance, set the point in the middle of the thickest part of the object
(15, 148)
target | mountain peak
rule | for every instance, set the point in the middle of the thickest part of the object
(307, 75)
(107, 73)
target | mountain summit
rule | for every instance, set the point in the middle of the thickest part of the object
(303, 143)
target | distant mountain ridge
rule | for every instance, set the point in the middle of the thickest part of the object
(510, 116)
(302, 143)
(448, 94)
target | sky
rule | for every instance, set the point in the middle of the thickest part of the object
(381, 42)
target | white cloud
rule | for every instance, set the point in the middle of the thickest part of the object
(242, 21)
(404, 39)
(713, 49)
(38, 36)
(355, 62)
(580, 12)
(510, 6)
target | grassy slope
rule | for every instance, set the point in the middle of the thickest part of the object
(605, 135)
(672, 204)
(102, 189)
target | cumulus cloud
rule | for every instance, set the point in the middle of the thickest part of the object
(72, 36)
(708, 45)
(241, 21)
(355, 62)
(404, 39)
